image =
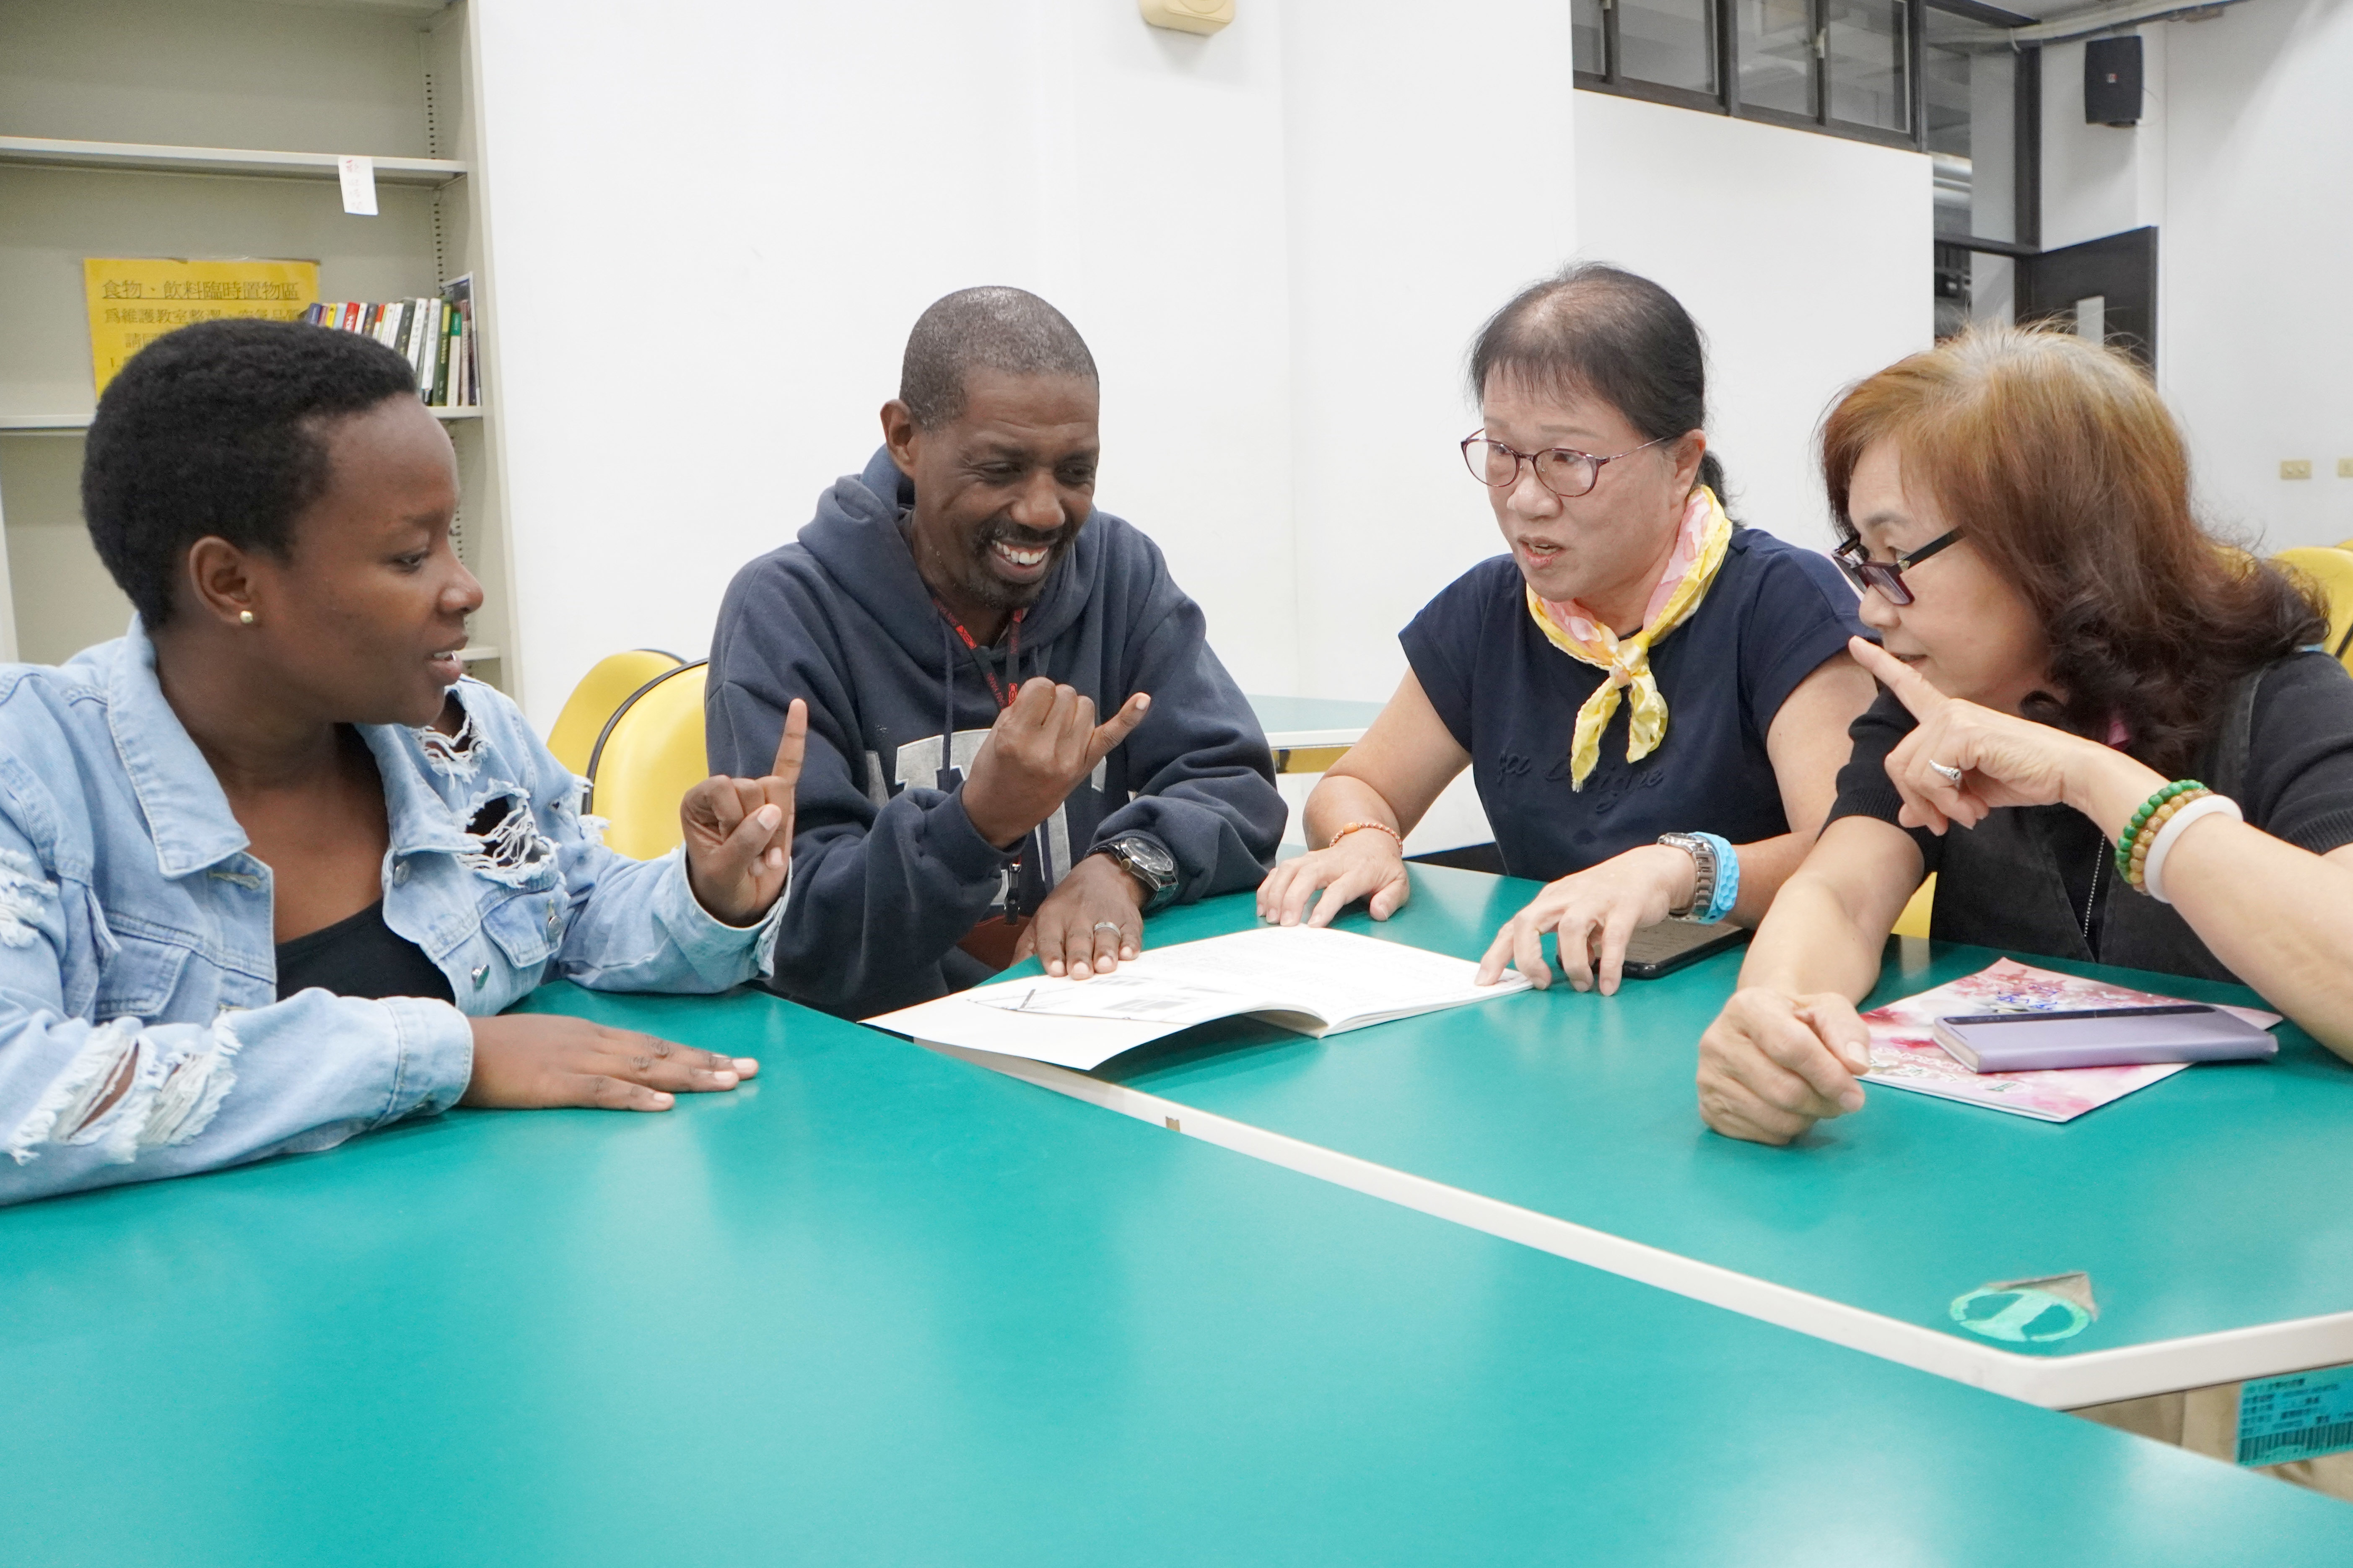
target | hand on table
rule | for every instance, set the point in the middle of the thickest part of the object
(1041, 745)
(739, 832)
(2004, 760)
(1093, 918)
(534, 1060)
(1773, 1064)
(1595, 911)
(1366, 863)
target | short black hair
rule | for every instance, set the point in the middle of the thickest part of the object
(217, 430)
(1596, 331)
(1009, 330)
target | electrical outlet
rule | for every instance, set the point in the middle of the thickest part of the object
(2295, 467)
(2345, 468)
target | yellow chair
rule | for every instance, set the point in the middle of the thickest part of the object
(2332, 568)
(611, 682)
(1914, 920)
(649, 754)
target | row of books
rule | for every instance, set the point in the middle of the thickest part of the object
(436, 336)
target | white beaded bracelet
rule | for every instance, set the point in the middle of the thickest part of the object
(2152, 876)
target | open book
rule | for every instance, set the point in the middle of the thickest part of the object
(1314, 981)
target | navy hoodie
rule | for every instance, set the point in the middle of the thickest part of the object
(887, 872)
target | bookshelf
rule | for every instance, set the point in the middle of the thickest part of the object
(211, 128)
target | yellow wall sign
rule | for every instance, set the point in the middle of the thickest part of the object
(135, 300)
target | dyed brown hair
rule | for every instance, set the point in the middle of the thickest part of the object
(2056, 459)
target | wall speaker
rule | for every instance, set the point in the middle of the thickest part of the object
(2112, 81)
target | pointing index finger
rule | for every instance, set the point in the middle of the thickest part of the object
(793, 745)
(1911, 687)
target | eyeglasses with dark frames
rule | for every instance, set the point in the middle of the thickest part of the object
(1888, 576)
(1565, 471)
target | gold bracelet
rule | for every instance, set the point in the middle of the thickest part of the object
(1349, 827)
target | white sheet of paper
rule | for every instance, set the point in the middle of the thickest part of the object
(1081, 1043)
(1122, 993)
(358, 172)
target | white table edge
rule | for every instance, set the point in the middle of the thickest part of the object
(1294, 740)
(2058, 1383)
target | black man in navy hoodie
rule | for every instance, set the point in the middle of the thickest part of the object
(1098, 761)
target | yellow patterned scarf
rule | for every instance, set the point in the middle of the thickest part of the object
(1699, 551)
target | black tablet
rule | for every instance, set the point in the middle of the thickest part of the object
(1668, 946)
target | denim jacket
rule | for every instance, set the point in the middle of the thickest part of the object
(135, 931)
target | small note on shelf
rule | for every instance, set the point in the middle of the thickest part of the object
(358, 172)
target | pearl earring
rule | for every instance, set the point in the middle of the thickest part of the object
(244, 617)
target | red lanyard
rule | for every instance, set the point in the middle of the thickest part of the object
(947, 780)
(1012, 657)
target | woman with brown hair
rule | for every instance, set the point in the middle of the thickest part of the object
(2145, 765)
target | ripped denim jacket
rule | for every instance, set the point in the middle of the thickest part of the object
(135, 931)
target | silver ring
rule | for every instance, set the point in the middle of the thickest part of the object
(1951, 775)
(1106, 925)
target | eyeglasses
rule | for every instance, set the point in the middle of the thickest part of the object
(1566, 473)
(1888, 576)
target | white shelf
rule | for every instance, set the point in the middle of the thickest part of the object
(53, 154)
(68, 422)
(196, 108)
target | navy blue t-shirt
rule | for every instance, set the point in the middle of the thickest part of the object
(1774, 613)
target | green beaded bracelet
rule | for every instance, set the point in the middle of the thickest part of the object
(2140, 819)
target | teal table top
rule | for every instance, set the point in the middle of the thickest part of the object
(1313, 720)
(2210, 1210)
(884, 1308)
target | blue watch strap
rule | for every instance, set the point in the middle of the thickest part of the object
(1726, 891)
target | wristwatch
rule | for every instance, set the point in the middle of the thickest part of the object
(1704, 875)
(1143, 858)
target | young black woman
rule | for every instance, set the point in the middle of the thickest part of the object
(269, 867)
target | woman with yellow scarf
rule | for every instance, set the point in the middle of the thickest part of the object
(1653, 701)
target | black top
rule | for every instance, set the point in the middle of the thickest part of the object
(360, 956)
(1774, 613)
(2041, 880)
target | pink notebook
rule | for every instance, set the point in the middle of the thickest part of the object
(1904, 1053)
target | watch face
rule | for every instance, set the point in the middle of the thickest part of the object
(1148, 859)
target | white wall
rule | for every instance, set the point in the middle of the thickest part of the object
(709, 238)
(1805, 258)
(1427, 186)
(2104, 179)
(2242, 159)
(2255, 324)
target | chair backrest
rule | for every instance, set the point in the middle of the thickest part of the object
(649, 754)
(2332, 568)
(609, 684)
(1914, 920)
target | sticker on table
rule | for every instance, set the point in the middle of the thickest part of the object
(2029, 1312)
(2300, 1417)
